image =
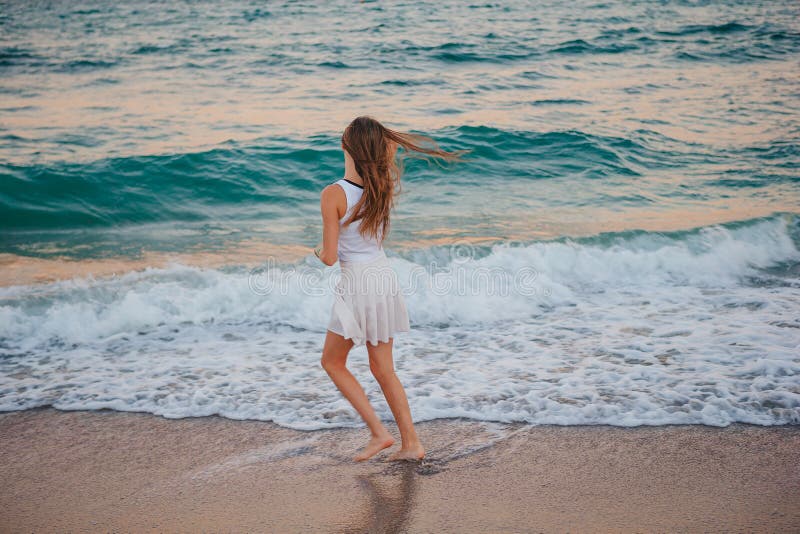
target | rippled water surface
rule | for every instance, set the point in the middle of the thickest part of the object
(641, 157)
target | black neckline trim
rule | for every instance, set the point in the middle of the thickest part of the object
(355, 184)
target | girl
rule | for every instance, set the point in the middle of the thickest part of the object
(369, 307)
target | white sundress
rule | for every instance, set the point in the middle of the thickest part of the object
(368, 305)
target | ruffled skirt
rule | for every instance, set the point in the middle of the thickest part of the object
(368, 303)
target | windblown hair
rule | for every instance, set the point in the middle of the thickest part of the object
(374, 148)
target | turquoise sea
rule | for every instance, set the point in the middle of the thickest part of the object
(621, 246)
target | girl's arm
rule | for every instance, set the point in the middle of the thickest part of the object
(331, 202)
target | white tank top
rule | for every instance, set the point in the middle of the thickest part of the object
(352, 245)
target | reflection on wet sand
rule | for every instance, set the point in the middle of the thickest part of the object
(138, 472)
(391, 499)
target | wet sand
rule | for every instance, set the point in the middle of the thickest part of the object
(103, 471)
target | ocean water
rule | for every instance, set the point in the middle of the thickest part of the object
(622, 245)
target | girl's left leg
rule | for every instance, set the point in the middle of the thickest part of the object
(334, 360)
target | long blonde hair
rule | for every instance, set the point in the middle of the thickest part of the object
(373, 148)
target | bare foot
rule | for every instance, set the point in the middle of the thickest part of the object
(375, 445)
(415, 452)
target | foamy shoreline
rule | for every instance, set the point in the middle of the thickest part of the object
(630, 330)
(103, 471)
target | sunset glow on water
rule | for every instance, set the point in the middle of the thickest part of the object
(641, 157)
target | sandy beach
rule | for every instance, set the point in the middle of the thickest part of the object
(109, 471)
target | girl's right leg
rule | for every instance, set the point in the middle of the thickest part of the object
(381, 364)
(334, 360)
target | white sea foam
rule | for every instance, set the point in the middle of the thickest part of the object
(651, 329)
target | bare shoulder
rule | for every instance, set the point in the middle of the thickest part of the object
(334, 197)
(333, 193)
